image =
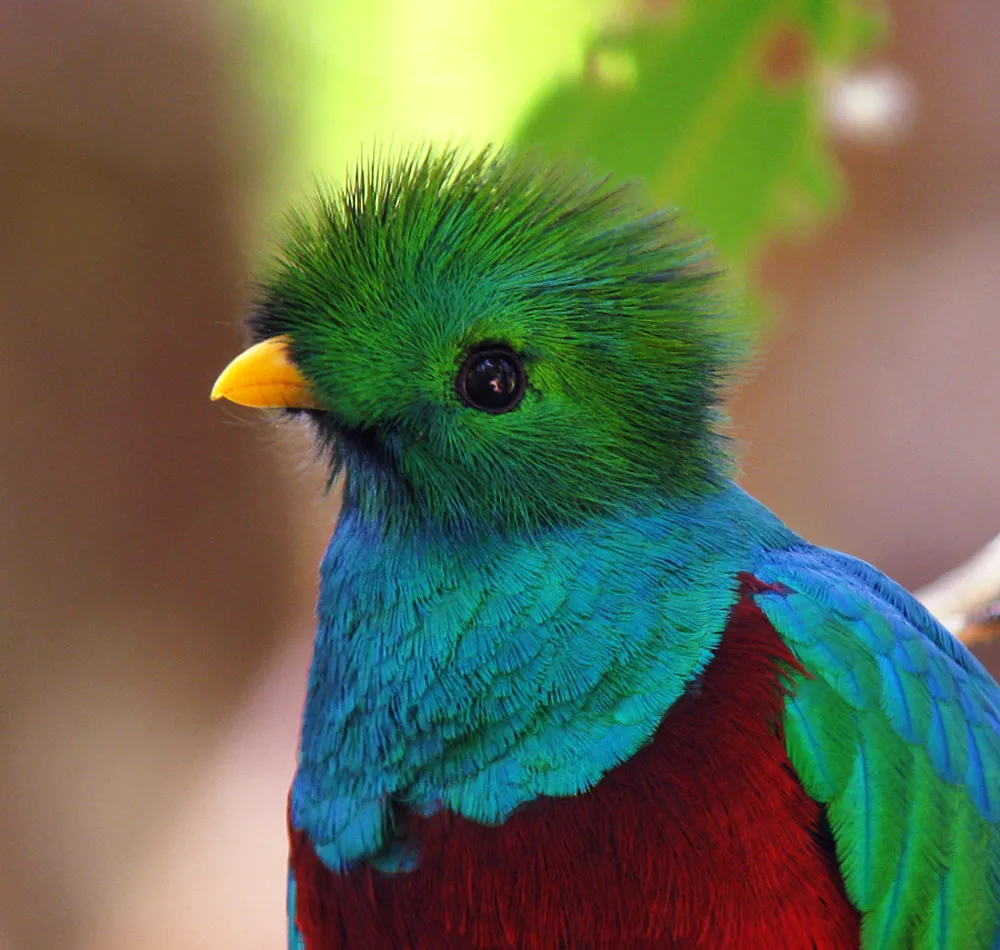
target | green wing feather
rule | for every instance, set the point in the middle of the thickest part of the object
(895, 728)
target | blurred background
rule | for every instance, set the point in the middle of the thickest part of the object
(158, 552)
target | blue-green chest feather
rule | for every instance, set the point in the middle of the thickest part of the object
(480, 674)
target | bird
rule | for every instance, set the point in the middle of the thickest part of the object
(571, 686)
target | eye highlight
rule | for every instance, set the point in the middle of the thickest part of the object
(492, 379)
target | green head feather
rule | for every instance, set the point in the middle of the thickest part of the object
(387, 286)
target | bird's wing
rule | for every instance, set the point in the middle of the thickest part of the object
(295, 939)
(895, 727)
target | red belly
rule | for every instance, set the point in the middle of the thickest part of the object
(704, 839)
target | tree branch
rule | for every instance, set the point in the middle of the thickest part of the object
(967, 599)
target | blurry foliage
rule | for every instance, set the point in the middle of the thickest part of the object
(345, 74)
(716, 104)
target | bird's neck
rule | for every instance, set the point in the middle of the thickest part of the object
(478, 674)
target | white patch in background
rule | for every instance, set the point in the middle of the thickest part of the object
(877, 105)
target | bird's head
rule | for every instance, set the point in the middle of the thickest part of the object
(493, 342)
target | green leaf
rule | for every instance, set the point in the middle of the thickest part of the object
(716, 104)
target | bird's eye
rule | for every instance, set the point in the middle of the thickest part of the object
(492, 379)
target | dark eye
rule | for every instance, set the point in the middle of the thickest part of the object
(492, 379)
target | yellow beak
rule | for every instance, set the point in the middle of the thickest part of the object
(265, 377)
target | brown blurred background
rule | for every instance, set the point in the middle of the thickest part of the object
(157, 552)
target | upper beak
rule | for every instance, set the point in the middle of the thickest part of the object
(264, 376)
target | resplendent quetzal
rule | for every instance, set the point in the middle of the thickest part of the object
(572, 688)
